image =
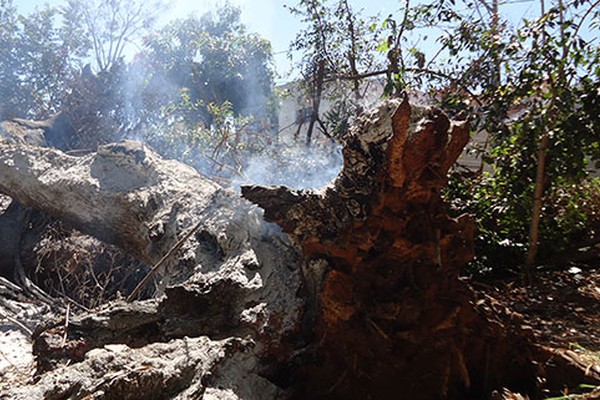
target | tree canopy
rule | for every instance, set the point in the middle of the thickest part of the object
(213, 57)
(189, 86)
(39, 57)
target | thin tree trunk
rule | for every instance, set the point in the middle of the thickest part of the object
(540, 177)
(298, 129)
(538, 201)
(316, 100)
(352, 58)
(495, 33)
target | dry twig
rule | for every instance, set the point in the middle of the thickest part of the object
(136, 291)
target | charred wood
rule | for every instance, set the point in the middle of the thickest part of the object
(392, 317)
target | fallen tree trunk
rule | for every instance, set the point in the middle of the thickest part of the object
(231, 302)
(393, 318)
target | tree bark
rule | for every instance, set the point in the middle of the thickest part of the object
(538, 202)
(317, 94)
(230, 304)
(393, 317)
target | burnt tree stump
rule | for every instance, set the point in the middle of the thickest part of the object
(383, 257)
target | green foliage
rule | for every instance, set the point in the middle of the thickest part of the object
(208, 90)
(571, 216)
(538, 84)
(9, 60)
(38, 60)
(215, 60)
(223, 149)
(198, 83)
(42, 54)
(337, 118)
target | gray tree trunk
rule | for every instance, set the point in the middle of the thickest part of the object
(232, 294)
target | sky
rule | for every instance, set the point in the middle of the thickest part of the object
(272, 20)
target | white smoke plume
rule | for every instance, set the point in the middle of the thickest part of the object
(295, 166)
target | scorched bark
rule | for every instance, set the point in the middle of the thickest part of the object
(393, 319)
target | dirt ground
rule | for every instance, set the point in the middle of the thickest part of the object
(562, 308)
(18, 318)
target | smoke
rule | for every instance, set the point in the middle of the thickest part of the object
(282, 162)
(294, 165)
